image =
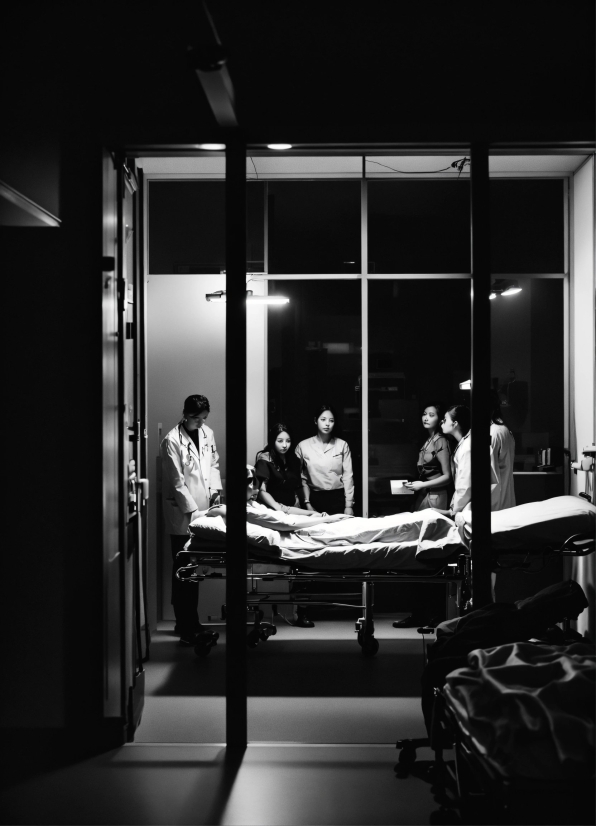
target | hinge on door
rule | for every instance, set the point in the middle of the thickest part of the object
(129, 178)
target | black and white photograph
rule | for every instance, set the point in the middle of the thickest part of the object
(291, 291)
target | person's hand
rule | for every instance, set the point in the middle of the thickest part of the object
(215, 498)
(349, 511)
(414, 485)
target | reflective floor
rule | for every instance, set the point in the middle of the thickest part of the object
(192, 784)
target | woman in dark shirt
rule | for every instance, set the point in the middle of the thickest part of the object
(277, 469)
(433, 488)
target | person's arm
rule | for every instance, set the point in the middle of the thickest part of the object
(442, 480)
(304, 480)
(347, 477)
(215, 485)
(172, 467)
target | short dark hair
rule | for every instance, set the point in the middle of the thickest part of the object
(460, 414)
(496, 417)
(320, 410)
(196, 404)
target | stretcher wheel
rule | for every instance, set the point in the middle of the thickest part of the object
(268, 631)
(370, 647)
(205, 642)
(252, 638)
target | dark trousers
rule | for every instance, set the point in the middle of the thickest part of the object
(185, 595)
(329, 501)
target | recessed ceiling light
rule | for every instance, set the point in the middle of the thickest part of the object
(279, 146)
(212, 147)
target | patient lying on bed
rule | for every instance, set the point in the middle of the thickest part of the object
(424, 535)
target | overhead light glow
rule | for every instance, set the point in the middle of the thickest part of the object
(465, 385)
(212, 147)
(511, 290)
(492, 296)
(267, 299)
(219, 297)
(279, 146)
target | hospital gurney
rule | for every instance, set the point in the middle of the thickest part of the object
(429, 551)
(522, 721)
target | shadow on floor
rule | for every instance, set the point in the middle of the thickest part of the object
(317, 668)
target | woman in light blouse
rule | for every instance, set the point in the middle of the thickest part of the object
(326, 464)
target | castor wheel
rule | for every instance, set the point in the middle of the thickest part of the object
(252, 638)
(204, 642)
(267, 631)
(370, 646)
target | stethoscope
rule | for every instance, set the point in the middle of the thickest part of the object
(188, 460)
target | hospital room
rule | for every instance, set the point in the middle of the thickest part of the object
(358, 335)
(315, 521)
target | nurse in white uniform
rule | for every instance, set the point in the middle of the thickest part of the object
(190, 483)
(502, 458)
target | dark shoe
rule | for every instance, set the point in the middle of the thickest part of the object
(189, 638)
(408, 622)
(301, 620)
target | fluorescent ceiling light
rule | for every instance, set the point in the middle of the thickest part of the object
(212, 147)
(220, 297)
(279, 146)
(492, 296)
(511, 290)
(267, 299)
(465, 385)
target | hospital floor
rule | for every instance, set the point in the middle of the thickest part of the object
(323, 721)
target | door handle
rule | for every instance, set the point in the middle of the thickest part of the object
(143, 485)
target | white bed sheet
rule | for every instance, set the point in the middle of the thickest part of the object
(537, 524)
(405, 541)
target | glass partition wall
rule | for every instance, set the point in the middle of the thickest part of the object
(374, 256)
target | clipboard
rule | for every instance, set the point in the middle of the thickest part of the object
(397, 488)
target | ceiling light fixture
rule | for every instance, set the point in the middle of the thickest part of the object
(279, 146)
(212, 147)
(219, 297)
(504, 287)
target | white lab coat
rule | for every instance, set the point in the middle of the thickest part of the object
(503, 455)
(189, 478)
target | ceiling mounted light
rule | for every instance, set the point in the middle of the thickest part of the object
(465, 385)
(279, 146)
(220, 297)
(504, 287)
(212, 147)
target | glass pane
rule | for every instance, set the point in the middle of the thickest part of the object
(528, 374)
(314, 358)
(527, 226)
(314, 226)
(419, 352)
(419, 226)
(187, 227)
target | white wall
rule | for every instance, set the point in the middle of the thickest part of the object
(186, 355)
(582, 357)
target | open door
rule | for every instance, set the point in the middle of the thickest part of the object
(126, 491)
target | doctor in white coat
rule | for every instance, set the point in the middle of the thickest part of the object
(190, 483)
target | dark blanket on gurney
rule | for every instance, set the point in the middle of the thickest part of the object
(529, 709)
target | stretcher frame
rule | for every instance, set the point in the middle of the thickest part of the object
(451, 572)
